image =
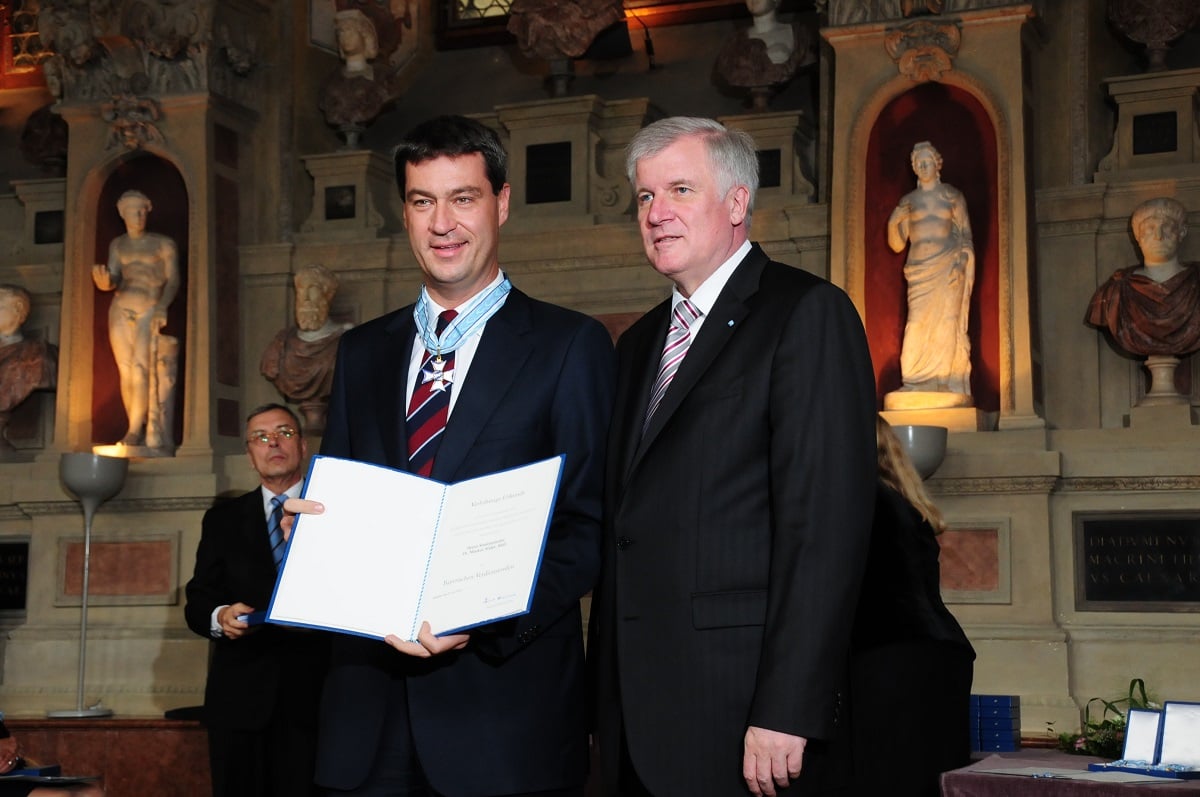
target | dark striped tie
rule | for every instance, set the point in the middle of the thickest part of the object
(275, 529)
(679, 338)
(430, 405)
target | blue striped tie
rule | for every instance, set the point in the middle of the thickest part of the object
(678, 339)
(275, 529)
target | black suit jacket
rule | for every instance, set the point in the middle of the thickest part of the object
(248, 678)
(508, 713)
(735, 530)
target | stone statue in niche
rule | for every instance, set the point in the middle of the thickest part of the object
(26, 364)
(764, 56)
(143, 273)
(1153, 310)
(935, 355)
(352, 97)
(299, 360)
(557, 31)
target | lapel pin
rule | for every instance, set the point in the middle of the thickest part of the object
(730, 322)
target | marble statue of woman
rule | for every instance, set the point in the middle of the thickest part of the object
(935, 355)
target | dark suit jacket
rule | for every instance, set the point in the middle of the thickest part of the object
(508, 713)
(735, 530)
(249, 678)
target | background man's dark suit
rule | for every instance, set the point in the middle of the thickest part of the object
(735, 531)
(507, 713)
(270, 675)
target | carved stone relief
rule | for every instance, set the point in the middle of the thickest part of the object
(923, 50)
(102, 49)
(857, 12)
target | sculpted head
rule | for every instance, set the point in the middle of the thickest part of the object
(15, 303)
(315, 287)
(356, 34)
(926, 160)
(1159, 225)
(134, 207)
(758, 8)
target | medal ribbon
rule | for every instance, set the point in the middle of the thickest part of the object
(470, 319)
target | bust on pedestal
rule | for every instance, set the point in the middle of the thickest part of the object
(763, 57)
(1151, 310)
(299, 360)
(25, 364)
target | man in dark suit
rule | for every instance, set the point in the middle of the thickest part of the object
(499, 710)
(264, 682)
(738, 495)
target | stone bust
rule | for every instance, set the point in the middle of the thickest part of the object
(26, 364)
(299, 359)
(1152, 309)
(358, 42)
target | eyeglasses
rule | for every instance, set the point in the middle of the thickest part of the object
(265, 438)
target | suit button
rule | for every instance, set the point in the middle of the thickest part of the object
(623, 543)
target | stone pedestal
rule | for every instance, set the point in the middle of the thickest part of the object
(784, 135)
(1157, 129)
(956, 419)
(1160, 416)
(44, 229)
(354, 196)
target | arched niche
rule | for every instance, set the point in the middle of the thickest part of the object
(161, 181)
(959, 126)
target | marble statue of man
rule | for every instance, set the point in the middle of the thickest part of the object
(299, 359)
(935, 356)
(143, 272)
(26, 364)
(1153, 309)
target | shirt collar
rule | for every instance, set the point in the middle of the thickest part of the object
(706, 295)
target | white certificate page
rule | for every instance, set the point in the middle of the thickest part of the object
(393, 549)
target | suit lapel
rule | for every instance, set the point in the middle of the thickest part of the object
(638, 372)
(506, 345)
(255, 524)
(719, 325)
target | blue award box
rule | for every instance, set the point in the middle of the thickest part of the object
(1164, 743)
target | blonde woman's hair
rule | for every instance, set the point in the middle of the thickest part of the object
(896, 471)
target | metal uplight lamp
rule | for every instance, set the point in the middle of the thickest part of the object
(93, 479)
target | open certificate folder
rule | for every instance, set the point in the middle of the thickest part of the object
(393, 549)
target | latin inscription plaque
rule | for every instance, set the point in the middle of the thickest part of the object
(1137, 562)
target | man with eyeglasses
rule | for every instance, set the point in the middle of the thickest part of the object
(264, 681)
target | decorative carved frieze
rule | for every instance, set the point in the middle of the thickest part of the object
(105, 48)
(923, 50)
(857, 12)
(1029, 485)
